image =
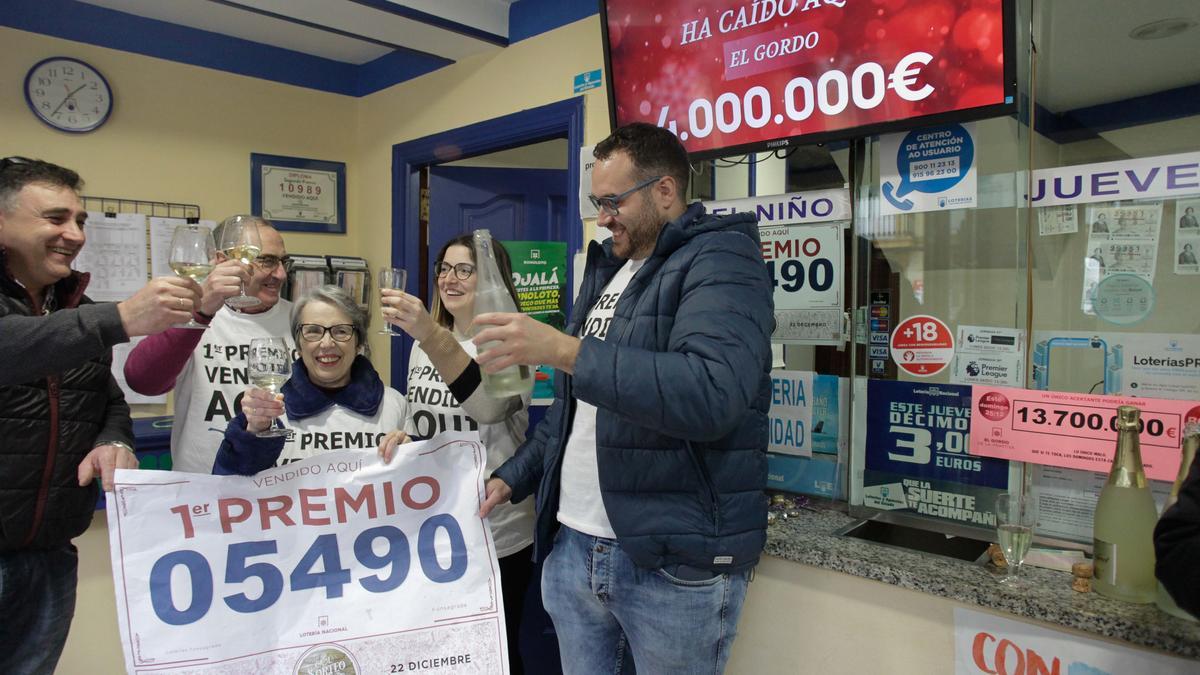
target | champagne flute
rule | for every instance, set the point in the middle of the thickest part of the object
(1016, 515)
(240, 241)
(269, 368)
(393, 278)
(192, 254)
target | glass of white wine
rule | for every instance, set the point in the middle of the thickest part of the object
(1016, 515)
(192, 254)
(393, 278)
(240, 241)
(269, 368)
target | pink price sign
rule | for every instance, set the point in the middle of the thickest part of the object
(1076, 431)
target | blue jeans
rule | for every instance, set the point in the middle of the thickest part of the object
(606, 609)
(37, 602)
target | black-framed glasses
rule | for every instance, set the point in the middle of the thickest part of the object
(315, 332)
(462, 270)
(268, 263)
(612, 203)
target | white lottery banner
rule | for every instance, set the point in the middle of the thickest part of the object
(334, 564)
(805, 263)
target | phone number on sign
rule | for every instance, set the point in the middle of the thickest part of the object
(865, 88)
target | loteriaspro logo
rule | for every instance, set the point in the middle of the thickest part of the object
(1002, 656)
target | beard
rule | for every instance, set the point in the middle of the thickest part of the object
(642, 231)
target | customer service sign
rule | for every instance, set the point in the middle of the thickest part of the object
(335, 564)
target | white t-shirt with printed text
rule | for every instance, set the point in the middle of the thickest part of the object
(580, 505)
(213, 379)
(338, 428)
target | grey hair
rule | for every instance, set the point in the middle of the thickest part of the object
(335, 296)
(258, 220)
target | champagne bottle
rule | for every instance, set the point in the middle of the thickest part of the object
(1123, 527)
(1191, 442)
(491, 295)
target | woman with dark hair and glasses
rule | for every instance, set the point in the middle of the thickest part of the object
(333, 389)
(445, 394)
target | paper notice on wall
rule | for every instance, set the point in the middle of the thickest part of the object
(115, 255)
(161, 231)
(1066, 500)
(1057, 220)
(1121, 240)
(1124, 239)
(586, 161)
(989, 355)
(1187, 236)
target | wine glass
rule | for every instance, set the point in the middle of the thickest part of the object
(270, 366)
(1016, 515)
(192, 254)
(393, 278)
(240, 241)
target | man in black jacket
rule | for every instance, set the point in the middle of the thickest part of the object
(64, 421)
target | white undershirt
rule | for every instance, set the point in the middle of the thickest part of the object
(580, 505)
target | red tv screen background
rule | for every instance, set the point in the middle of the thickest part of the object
(743, 74)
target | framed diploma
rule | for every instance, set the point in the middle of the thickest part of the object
(297, 194)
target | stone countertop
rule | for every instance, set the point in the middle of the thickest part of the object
(1047, 596)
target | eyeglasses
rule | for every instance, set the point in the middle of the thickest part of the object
(462, 270)
(268, 263)
(315, 332)
(612, 203)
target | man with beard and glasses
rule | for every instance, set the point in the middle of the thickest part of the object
(207, 369)
(65, 422)
(650, 467)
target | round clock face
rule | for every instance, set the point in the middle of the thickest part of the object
(68, 94)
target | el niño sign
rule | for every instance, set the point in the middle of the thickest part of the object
(736, 73)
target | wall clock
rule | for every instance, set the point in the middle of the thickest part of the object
(68, 94)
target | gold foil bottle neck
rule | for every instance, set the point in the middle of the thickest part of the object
(1127, 470)
(1128, 415)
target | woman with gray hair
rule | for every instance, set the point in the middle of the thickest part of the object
(333, 400)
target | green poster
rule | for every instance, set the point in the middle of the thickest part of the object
(540, 275)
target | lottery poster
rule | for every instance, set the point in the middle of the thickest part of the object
(334, 564)
(917, 454)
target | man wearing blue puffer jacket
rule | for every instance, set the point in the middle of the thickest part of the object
(649, 469)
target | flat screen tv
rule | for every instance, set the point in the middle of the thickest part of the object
(734, 76)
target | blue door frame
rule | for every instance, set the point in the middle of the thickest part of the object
(554, 120)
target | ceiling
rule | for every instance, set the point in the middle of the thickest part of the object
(349, 31)
(1089, 57)
(351, 47)
(1093, 79)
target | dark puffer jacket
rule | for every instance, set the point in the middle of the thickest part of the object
(682, 387)
(58, 400)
